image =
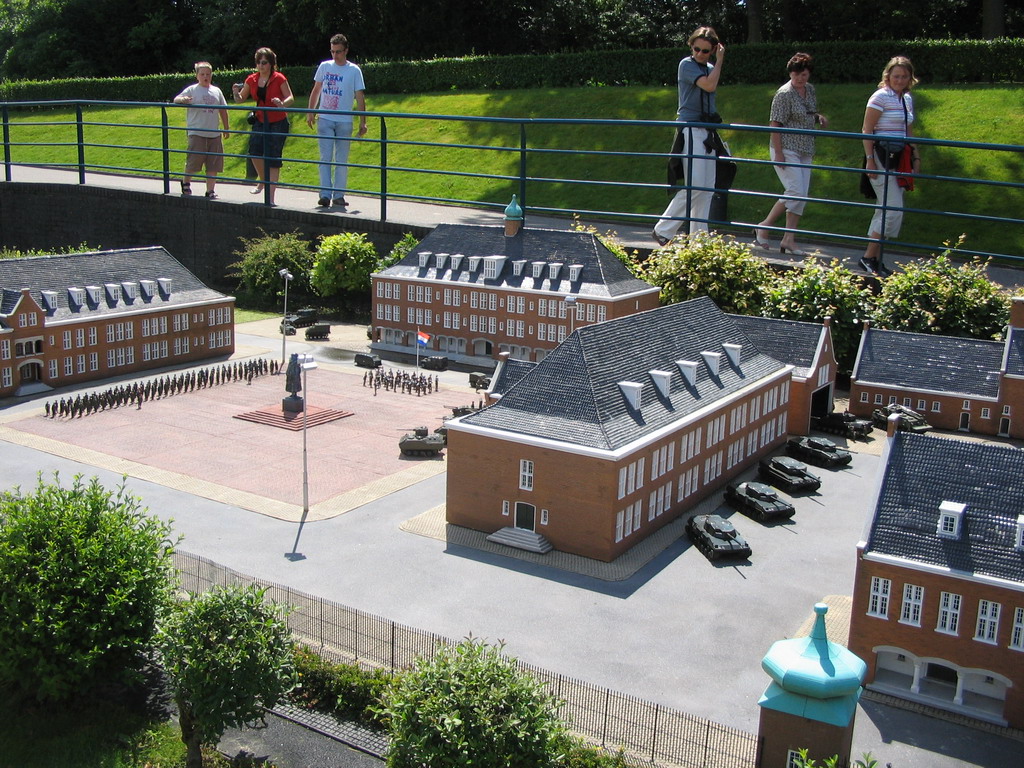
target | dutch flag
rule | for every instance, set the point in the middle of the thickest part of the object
(422, 338)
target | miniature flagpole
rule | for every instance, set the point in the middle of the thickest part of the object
(418, 345)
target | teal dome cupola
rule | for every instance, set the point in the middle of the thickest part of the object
(813, 677)
(512, 211)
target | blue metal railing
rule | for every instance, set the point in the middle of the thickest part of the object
(521, 146)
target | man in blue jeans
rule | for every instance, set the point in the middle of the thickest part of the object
(337, 83)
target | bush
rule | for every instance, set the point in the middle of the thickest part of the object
(471, 706)
(262, 259)
(228, 655)
(816, 291)
(400, 250)
(939, 296)
(712, 265)
(343, 264)
(84, 575)
(343, 690)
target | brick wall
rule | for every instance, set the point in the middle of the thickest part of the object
(202, 234)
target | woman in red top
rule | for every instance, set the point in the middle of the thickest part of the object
(266, 141)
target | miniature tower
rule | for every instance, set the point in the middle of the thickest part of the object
(513, 218)
(812, 699)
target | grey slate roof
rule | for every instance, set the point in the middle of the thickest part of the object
(603, 275)
(791, 341)
(510, 373)
(58, 273)
(572, 395)
(922, 472)
(1015, 352)
(922, 361)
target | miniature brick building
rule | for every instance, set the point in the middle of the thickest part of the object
(621, 429)
(79, 317)
(938, 603)
(479, 291)
(956, 383)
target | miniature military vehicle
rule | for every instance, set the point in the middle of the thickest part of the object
(462, 410)
(818, 450)
(367, 360)
(479, 380)
(435, 363)
(757, 500)
(287, 326)
(910, 420)
(318, 332)
(844, 423)
(420, 442)
(306, 317)
(788, 474)
(715, 536)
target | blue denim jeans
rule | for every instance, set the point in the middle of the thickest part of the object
(335, 141)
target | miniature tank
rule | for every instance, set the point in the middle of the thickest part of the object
(420, 442)
(306, 317)
(287, 326)
(318, 332)
(844, 423)
(910, 420)
(462, 410)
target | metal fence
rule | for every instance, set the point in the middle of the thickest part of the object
(596, 161)
(649, 734)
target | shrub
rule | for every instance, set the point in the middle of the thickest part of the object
(343, 264)
(717, 266)
(343, 690)
(471, 706)
(398, 252)
(262, 259)
(816, 291)
(84, 575)
(228, 655)
(939, 296)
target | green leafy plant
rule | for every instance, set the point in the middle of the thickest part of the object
(262, 259)
(610, 240)
(228, 655)
(343, 690)
(84, 575)
(343, 264)
(713, 265)
(817, 291)
(803, 761)
(940, 296)
(398, 252)
(471, 706)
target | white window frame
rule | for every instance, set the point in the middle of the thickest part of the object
(987, 628)
(525, 475)
(878, 598)
(1017, 631)
(913, 605)
(949, 613)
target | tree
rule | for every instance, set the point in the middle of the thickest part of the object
(262, 259)
(939, 296)
(343, 263)
(471, 706)
(84, 575)
(228, 655)
(816, 291)
(712, 265)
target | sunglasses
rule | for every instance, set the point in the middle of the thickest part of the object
(701, 50)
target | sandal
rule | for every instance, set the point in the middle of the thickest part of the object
(211, 194)
(758, 243)
(792, 251)
(186, 188)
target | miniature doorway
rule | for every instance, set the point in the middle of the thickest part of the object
(526, 516)
(1004, 427)
(965, 421)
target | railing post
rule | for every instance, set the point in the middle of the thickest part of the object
(164, 133)
(383, 170)
(7, 144)
(81, 144)
(522, 166)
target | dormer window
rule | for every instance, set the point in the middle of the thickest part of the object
(440, 260)
(76, 296)
(457, 260)
(1019, 541)
(93, 292)
(689, 370)
(113, 292)
(951, 515)
(474, 263)
(538, 269)
(130, 290)
(632, 392)
(492, 266)
(148, 288)
(49, 299)
(553, 270)
(662, 380)
(713, 361)
(517, 267)
(732, 351)
(575, 270)
(424, 257)
(165, 284)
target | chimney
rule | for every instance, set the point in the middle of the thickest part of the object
(513, 218)
(892, 425)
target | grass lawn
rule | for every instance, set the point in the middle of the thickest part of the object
(456, 152)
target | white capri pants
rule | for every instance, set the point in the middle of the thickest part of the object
(796, 181)
(893, 197)
(703, 175)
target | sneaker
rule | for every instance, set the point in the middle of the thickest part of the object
(324, 202)
(211, 194)
(340, 202)
(883, 270)
(869, 265)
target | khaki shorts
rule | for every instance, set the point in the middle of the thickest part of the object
(204, 149)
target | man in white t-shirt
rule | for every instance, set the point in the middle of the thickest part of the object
(205, 146)
(337, 83)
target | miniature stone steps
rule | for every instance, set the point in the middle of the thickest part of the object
(520, 538)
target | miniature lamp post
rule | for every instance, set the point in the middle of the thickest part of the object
(306, 363)
(287, 277)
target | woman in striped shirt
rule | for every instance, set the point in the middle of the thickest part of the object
(889, 116)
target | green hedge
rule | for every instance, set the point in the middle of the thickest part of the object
(936, 61)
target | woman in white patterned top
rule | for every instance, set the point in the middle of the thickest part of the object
(795, 106)
(889, 116)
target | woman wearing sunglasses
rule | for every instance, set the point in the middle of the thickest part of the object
(698, 81)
